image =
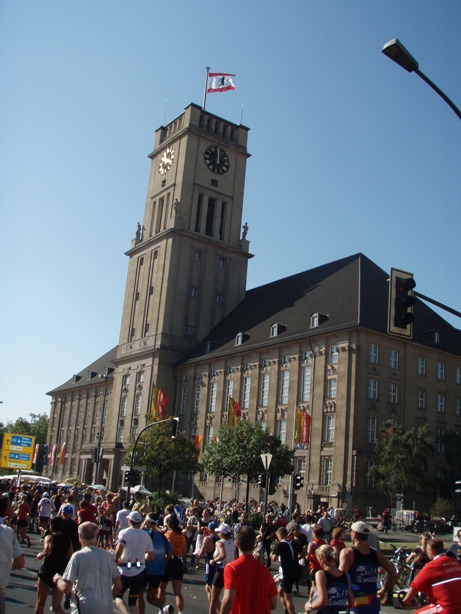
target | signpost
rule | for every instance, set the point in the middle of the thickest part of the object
(17, 451)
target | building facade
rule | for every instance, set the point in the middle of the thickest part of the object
(316, 340)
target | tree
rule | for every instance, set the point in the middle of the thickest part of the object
(160, 454)
(402, 460)
(37, 426)
(238, 449)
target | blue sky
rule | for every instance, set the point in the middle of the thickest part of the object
(349, 152)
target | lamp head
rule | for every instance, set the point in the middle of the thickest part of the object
(397, 52)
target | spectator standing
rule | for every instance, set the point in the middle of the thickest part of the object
(327, 524)
(11, 557)
(121, 520)
(92, 575)
(248, 585)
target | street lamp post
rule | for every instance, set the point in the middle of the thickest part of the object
(397, 52)
(266, 459)
(107, 375)
(148, 426)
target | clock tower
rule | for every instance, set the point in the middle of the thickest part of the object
(188, 262)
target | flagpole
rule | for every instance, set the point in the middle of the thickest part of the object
(290, 493)
(206, 86)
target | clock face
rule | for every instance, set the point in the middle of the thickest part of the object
(166, 160)
(217, 159)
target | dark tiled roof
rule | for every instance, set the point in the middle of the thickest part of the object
(352, 292)
(96, 367)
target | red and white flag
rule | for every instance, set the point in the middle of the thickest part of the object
(220, 82)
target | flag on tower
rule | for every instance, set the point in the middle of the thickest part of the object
(220, 82)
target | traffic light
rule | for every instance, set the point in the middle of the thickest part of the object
(174, 427)
(272, 485)
(127, 477)
(262, 480)
(135, 478)
(401, 301)
(94, 454)
(299, 481)
(458, 486)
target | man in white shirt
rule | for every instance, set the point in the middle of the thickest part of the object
(92, 573)
(121, 519)
(11, 557)
(134, 548)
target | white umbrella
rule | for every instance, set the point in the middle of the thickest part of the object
(140, 490)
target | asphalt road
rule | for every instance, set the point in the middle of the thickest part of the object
(21, 593)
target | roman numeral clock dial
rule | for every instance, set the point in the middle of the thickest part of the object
(216, 159)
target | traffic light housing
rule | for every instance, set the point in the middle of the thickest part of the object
(262, 481)
(401, 301)
(174, 427)
(127, 477)
(458, 486)
(299, 481)
(272, 485)
(132, 478)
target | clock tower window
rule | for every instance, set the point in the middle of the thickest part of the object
(198, 215)
(210, 215)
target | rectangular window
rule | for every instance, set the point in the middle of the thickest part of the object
(333, 354)
(183, 406)
(246, 392)
(373, 353)
(126, 379)
(370, 479)
(393, 393)
(306, 384)
(441, 403)
(326, 470)
(394, 359)
(138, 402)
(190, 329)
(440, 444)
(120, 434)
(458, 375)
(284, 386)
(330, 428)
(229, 391)
(283, 431)
(198, 395)
(198, 215)
(123, 406)
(421, 399)
(265, 389)
(222, 263)
(209, 434)
(222, 220)
(332, 388)
(213, 391)
(421, 365)
(140, 377)
(372, 388)
(194, 291)
(372, 424)
(197, 255)
(210, 214)
(441, 370)
(458, 407)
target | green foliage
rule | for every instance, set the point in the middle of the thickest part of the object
(162, 499)
(441, 508)
(160, 454)
(402, 460)
(36, 426)
(256, 520)
(237, 452)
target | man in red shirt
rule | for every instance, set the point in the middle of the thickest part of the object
(440, 580)
(248, 584)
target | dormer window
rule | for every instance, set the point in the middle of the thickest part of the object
(91, 374)
(194, 291)
(314, 320)
(239, 339)
(277, 329)
(436, 337)
(76, 378)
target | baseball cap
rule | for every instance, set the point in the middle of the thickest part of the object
(151, 518)
(68, 509)
(135, 516)
(224, 528)
(46, 494)
(360, 527)
(213, 525)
